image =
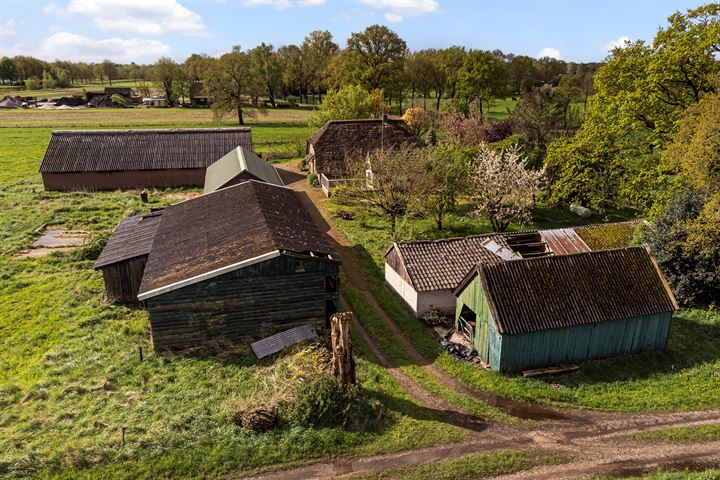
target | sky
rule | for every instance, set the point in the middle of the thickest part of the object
(143, 30)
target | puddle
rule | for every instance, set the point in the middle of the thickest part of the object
(55, 239)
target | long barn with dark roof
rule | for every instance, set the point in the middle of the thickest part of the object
(112, 159)
(551, 310)
(243, 262)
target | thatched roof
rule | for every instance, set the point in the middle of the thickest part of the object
(151, 149)
(569, 290)
(226, 230)
(340, 140)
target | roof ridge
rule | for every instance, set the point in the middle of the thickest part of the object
(449, 239)
(565, 258)
(128, 131)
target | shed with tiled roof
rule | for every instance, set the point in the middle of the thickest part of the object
(245, 261)
(565, 308)
(122, 260)
(112, 159)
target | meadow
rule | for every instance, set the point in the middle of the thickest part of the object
(71, 380)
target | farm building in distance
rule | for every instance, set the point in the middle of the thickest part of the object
(111, 159)
(123, 259)
(198, 95)
(328, 149)
(566, 308)
(424, 273)
(242, 262)
(237, 166)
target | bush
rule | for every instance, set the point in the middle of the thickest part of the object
(496, 131)
(292, 100)
(323, 403)
(92, 248)
(120, 100)
(312, 179)
(32, 83)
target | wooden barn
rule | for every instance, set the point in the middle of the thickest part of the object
(199, 96)
(563, 309)
(424, 273)
(329, 148)
(243, 262)
(111, 159)
(123, 259)
(237, 166)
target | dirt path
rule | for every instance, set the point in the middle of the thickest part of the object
(596, 441)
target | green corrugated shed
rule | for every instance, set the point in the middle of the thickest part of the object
(563, 309)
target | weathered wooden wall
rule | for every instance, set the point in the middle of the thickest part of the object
(93, 181)
(122, 279)
(252, 302)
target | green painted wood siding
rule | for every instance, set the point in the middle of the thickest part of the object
(584, 342)
(561, 345)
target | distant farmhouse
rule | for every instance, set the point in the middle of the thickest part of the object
(245, 261)
(199, 96)
(111, 159)
(123, 259)
(237, 166)
(328, 150)
(424, 273)
(566, 308)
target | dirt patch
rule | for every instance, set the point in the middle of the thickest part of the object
(181, 196)
(55, 239)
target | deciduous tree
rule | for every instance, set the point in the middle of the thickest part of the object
(165, 72)
(350, 102)
(233, 82)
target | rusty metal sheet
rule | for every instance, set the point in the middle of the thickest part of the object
(563, 241)
(279, 341)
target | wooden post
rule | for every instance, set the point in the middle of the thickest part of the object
(123, 436)
(141, 354)
(343, 361)
(144, 196)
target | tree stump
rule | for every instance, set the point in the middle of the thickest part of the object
(343, 363)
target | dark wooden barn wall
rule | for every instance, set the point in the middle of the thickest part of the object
(122, 279)
(243, 177)
(91, 181)
(252, 302)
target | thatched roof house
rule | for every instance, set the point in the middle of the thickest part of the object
(123, 259)
(329, 148)
(110, 159)
(565, 308)
(241, 262)
(237, 166)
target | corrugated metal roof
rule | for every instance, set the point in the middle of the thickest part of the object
(228, 227)
(132, 237)
(151, 149)
(578, 289)
(279, 341)
(563, 241)
(442, 264)
(236, 162)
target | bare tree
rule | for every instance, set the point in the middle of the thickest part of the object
(502, 187)
(388, 182)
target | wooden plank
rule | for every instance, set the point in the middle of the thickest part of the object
(550, 370)
(275, 343)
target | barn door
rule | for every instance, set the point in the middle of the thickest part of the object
(482, 343)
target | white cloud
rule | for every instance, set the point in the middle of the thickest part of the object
(52, 9)
(79, 48)
(146, 17)
(283, 4)
(399, 9)
(618, 43)
(548, 52)
(7, 29)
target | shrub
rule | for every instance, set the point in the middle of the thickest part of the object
(312, 179)
(496, 131)
(32, 83)
(120, 100)
(292, 100)
(92, 248)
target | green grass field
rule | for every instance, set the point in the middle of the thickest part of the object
(64, 92)
(685, 376)
(70, 375)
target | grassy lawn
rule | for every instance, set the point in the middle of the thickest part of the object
(711, 474)
(465, 468)
(703, 433)
(683, 377)
(70, 374)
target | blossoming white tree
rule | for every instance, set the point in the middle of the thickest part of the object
(502, 187)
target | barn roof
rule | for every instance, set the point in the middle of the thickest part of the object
(569, 290)
(151, 149)
(442, 264)
(132, 237)
(339, 139)
(239, 160)
(227, 230)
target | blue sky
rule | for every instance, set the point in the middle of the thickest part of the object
(142, 30)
